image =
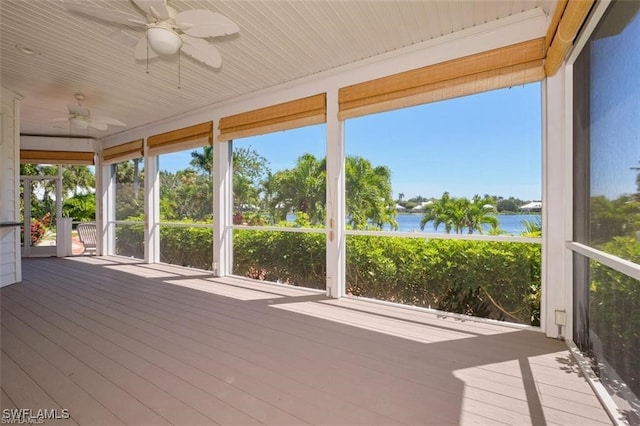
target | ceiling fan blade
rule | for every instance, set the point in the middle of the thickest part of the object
(201, 50)
(156, 8)
(113, 16)
(76, 109)
(106, 120)
(205, 23)
(143, 50)
(97, 125)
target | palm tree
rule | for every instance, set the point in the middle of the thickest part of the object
(136, 176)
(458, 214)
(203, 161)
(76, 178)
(302, 189)
(440, 212)
(369, 196)
(249, 169)
(129, 200)
(269, 191)
(480, 211)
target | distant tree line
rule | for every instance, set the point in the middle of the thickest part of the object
(502, 204)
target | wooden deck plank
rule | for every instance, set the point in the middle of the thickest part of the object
(510, 385)
(179, 348)
(563, 413)
(119, 402)
(476, 419)
(561, 394)
(26, 393)
(245, 316)
(132, 374)
(284, 368)
(5, 401)
(418, 315)
(284, 355)
(405, 389)
(266, 287)
(102, 338)
(82, 408)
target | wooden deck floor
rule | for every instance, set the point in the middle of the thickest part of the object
(116, 342)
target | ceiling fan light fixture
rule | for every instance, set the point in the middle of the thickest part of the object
(79, 123)
(163, 40)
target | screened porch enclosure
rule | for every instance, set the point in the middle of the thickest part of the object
(277, 292)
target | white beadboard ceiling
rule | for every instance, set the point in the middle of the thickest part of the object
(279, 41)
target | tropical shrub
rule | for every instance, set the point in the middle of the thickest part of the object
(192, 247)
(486, 279)
(614, 312)
(287, 257)
(130, 240)
(81, 207)
(533, 228)
(38, 229)
(499, 280)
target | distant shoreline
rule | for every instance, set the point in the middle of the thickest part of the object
(527, 213)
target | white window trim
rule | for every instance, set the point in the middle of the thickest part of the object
(222, 208)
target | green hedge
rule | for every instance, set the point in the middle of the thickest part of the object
(487, 279)
(499, 280)
(190, 247)
(614, 311)
(287, 257)
(130, 241)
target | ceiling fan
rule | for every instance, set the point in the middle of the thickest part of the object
(80, 117)
(166, 30)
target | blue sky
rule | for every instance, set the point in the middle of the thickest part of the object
(487, 143)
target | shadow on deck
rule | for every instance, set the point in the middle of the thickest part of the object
(116, 341)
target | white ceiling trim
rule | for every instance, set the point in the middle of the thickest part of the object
(59, 143)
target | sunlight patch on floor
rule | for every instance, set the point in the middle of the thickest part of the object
(223, 290)
(380, 324)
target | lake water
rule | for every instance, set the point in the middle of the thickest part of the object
(509, 223)
(410, 222)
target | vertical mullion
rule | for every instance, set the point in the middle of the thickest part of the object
(222, 207)
(151, 207)
(335, 226)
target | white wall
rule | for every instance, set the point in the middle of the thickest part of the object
(10, 265)
(58, 143)
(557, 195)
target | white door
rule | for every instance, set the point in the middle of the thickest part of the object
(40, 207)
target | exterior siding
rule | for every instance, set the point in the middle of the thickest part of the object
(10, 262)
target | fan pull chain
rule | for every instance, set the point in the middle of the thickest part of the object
(147, 65)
